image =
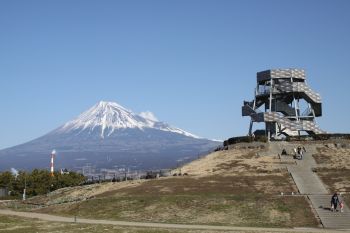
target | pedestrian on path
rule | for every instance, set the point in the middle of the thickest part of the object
(341, 205)
(334, 202)
(298, 153)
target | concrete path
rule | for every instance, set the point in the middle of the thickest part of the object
(301, 170)
(305, 179)
(54, 218)
(310, 184)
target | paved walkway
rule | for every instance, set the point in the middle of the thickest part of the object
(54, 218)
(310, 184)
(306, 180)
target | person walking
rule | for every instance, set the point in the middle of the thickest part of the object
(299, 153)
(341, 205)
(334, 202)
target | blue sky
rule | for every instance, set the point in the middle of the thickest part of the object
(190, 62)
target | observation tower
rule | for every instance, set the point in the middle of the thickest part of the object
(285, 103)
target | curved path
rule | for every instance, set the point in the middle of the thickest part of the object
(55, 218)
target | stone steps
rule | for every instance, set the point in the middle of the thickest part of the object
(310, 184)
(307, 181)
(330, 219)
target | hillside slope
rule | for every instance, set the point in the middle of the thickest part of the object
(239, 187)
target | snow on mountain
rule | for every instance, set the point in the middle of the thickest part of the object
(109, 136)
(110, 116)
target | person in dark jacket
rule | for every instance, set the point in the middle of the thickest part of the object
(334, 202)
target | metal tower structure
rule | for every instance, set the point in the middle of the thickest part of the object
(285, 103)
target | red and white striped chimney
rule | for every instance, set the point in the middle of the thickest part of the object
(53, 153)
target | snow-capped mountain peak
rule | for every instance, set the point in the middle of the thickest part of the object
(110, 116)
(110, 136)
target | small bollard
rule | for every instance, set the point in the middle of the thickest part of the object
(281, 193)
(292, 193)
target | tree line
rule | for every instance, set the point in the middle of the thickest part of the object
(38, 181)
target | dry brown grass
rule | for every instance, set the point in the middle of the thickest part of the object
(334, 166)
(244, 201)
(239, 161)
(336, 179)
(269, 184)
(80, 193)
(235, 187)
(333, 157)
(221, 200)
(19, 225)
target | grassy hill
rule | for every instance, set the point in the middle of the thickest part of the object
(240, 186)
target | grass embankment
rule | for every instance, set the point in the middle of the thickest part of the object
(234, 187)
(20, 225)
(239, 201)
(13, 224)
(334, 168)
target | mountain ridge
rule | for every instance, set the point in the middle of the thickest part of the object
(109, 130)
(112, 116)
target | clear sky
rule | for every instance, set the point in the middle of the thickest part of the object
(190, 62)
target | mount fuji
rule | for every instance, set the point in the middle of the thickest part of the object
(109, 136)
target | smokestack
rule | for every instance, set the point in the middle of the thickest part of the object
(53, 153)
